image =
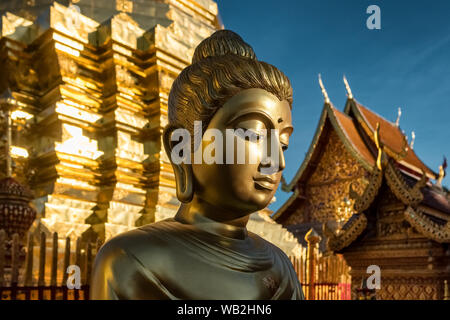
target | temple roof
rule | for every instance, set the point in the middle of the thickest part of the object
(390, 135)
(356, 128)
(344, 126)
(347, 126)
(350, 126)
(436, 200)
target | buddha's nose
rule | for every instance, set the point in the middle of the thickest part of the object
(274, 162)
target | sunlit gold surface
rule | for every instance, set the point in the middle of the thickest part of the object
(252, 109)
(94, 94)
(329, 185)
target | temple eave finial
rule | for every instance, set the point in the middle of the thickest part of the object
(442, 172)
(399, 114)
(324, 91)
(413, 138)
(347, 87)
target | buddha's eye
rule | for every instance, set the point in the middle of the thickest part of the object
(250, 135)
(252, 130)
(284, 147)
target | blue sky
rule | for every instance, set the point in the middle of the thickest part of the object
(404, 64)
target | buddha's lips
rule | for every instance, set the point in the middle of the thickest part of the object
(265, 183)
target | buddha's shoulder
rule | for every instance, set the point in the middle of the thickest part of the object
(261, 242)
(143, 243)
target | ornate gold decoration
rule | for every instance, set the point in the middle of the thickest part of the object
(352, 229)
(380, 159)
(312, 237)
(68, 65)
(125, 31)
(344, 211)
(441, 175)
(124, 5)
(363, 202)
(11, 22)
(16, 215)
(442, 168)
(409, 196)
(330, 182)
(68, 21)
(336, 164)
(405, 287)
(124, 77)
(427, 227)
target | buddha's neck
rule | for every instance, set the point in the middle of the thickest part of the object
(197, 209)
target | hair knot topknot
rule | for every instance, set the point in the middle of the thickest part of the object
(222, 66)
(221, 43)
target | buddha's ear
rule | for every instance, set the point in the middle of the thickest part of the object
(184, 177)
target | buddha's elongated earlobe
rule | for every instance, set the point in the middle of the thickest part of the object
(184, 180)
(183, 171)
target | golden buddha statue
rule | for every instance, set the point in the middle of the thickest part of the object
(205, 251)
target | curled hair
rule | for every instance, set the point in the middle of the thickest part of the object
(222, 66)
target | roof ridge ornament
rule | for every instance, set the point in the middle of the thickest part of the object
(347, 87)
(408, 195)
(354, 227)
(284, 185)
(442, 172)
(399, 114)
(427, 227)
(324, 91)
(379, 145)
(413, 138)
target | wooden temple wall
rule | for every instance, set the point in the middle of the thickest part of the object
(38, 269)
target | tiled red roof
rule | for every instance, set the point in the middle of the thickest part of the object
(394, 139)
(348, 127)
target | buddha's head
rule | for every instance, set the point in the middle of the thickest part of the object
(227, 88)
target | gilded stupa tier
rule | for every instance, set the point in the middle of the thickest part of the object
(91, 80)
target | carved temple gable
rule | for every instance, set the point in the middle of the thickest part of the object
(329, 184)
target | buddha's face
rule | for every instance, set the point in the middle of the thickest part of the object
(243, 188)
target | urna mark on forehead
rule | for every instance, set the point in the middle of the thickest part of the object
(260, 101)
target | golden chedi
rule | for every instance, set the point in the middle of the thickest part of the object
(205, 251)
(91, 80)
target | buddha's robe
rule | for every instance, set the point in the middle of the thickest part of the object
(173, 260)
